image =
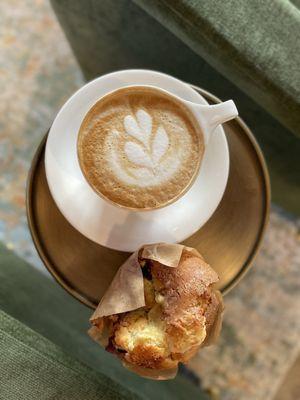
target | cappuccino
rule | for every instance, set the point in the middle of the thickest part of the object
(140, 148)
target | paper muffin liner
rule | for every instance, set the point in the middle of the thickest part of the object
(126, 293)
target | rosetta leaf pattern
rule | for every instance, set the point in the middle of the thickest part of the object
(141, 152)
(160, 144)
(137, 155)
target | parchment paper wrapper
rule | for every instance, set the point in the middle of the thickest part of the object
(126, 293)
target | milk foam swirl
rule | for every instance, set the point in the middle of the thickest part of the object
(147, 153)
(139, 147)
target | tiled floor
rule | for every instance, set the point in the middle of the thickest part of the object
(38, 72)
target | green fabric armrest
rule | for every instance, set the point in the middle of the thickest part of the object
(41, 304)
(33, 368)
(255, 44)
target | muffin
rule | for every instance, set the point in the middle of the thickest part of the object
(181, 311)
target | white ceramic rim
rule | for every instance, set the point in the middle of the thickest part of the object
(172, 223)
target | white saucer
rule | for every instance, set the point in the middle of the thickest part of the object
(112, 226)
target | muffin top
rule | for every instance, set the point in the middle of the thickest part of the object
(180, 310)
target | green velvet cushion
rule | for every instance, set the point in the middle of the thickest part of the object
(255, 44)
(33, 368)
(51, 313)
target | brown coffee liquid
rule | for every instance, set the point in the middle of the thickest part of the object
(139, 147)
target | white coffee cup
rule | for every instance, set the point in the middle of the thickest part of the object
(126, 229)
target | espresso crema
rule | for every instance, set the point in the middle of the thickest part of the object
(140, 148)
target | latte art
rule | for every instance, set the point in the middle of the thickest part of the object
(148, 162)
(139, 147)
(141, 128)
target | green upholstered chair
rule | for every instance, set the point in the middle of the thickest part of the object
(45, 352)
(240, 49)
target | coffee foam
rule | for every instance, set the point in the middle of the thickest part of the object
(139, 147)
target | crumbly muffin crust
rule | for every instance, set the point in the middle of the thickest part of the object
(180, 310)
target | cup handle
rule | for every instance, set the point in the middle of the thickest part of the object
(212, 116)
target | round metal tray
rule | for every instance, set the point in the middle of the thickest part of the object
(228, 241)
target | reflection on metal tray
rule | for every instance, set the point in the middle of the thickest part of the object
(228, 241)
